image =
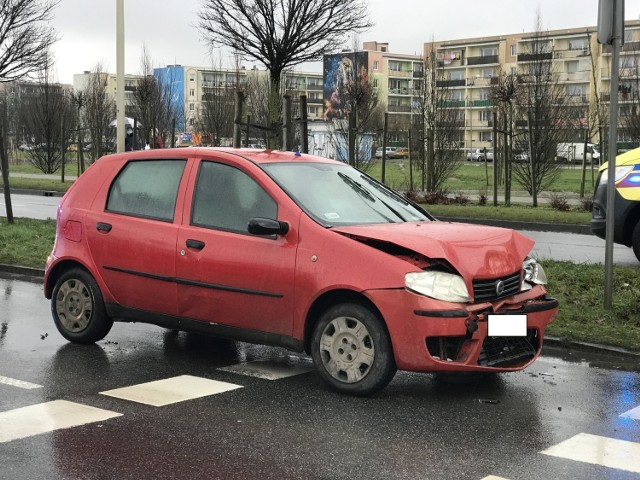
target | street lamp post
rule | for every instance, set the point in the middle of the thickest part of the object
(120, 75)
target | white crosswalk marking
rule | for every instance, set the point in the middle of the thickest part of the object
(46, 417)
(267, 370)
(634, 413)
(597, 450)
(18, 383)
(171, 390)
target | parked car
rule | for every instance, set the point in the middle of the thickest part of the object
(231, 243)
(574, 152)
(390, 152)
(478, 155)
(401, 152)
(521, 157)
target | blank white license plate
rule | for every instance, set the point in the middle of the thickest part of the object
(507, 325)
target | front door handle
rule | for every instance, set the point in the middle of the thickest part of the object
(103, 227)
(195, 244)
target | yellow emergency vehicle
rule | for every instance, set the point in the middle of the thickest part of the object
(626, 221)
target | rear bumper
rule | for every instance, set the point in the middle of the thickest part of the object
(455, 338)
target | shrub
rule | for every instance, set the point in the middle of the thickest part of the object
(559, 201)
(587, 203)
(460, 199)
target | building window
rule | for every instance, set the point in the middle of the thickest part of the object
(489, 51)
(580, 44)
(485, 94)
(192, 107)
(376, 64)
(488, 72)
(572, 67)
(313, 110)
(486, 136)
(192, 78)
(394, 66)
(514, 50)
(486, 115)
(456, 75)
(192, 92)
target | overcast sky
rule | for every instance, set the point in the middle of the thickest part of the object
(87, 27)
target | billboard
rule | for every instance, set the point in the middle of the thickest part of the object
(341, 70)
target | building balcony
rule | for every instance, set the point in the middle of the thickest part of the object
(400, 73)
(451, 83)
(399, 108)
(570, 54)
(314, 101)
(622, 97)
(452, 104)
(314, 88)
(535, 57)
(482, 60)
(418, 74)
(400, 91)
(627, 47)
(574, 77)
(480, 103)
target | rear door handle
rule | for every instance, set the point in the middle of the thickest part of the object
(103, 227)
(195, 244)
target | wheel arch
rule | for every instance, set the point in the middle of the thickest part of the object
(334, 297)
(56, 271)
(630, 222)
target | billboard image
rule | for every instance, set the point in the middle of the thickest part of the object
(341, 70)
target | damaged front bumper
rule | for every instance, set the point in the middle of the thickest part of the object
(431, 339)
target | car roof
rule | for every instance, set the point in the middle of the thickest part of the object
(256, 155)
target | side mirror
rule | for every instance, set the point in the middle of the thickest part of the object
(267, 226)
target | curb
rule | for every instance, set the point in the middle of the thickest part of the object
(516, 225)
(19, 270)
(37, 193)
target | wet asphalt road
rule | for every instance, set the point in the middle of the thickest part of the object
(419, 427)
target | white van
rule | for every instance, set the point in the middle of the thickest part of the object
(572, 152)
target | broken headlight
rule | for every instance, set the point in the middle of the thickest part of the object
(439, 285)
(533, 274)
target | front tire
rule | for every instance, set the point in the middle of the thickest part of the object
(78, 308)
(352, 351)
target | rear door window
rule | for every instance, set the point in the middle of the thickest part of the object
(147, 188)
(226, 198)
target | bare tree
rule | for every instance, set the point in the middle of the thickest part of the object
(281, 33)
(542, 109)
(257, 95)
(153, 103)
(215, 118)
(99, 112)
(440, 117)
(25, 38)
(353, 133)
(47, 114)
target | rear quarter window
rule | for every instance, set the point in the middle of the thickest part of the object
(147, 188)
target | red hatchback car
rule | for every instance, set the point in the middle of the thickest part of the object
(296, 251)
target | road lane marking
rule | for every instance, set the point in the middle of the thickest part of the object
(597, 450)
(493, 477)
(171, 390)
(633, 413)
(46, 417)
(267, 369)
(18, 383)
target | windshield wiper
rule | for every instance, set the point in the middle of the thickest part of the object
(356, 187)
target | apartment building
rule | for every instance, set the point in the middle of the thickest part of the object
(81, 80)
(193, 86)
(472, 65)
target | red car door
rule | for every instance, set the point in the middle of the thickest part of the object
(226, 275)
(132, 232)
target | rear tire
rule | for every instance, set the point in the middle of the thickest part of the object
(78, 308)
(352, 351)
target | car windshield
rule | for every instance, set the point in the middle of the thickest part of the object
(341, 195)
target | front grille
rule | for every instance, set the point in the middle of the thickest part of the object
(507, 351)
(488, 291)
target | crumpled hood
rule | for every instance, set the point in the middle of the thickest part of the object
(475, 251)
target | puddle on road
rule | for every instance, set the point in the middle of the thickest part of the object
(591, 358)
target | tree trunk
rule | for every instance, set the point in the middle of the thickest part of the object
(275, 107)
(4, 164)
